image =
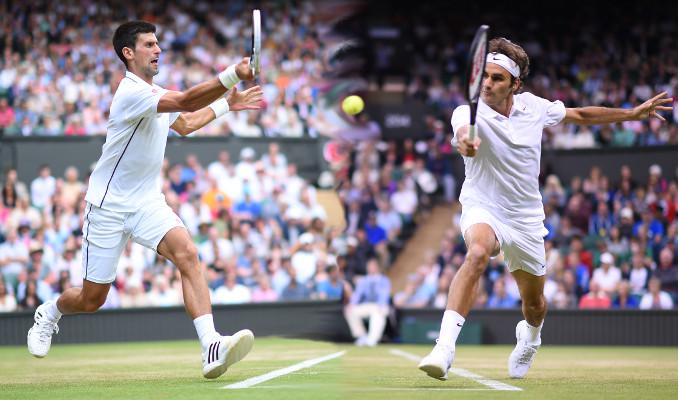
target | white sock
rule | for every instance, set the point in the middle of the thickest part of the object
(450, 328)
(52, 311)
(204, 325)
(534, 333)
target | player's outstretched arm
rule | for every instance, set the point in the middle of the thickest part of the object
(205, 93)
(190, 122)
(603, 115)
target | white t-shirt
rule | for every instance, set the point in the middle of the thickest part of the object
(503, 176)
(239, 294)
(42, 190)
(305, 263)
(609, 280)
(126, 175)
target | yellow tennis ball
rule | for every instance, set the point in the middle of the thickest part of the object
(352, 105)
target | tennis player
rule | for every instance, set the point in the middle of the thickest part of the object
(124, 199)
(501, 204)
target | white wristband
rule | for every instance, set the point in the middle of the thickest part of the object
(220, 107)
(229, 77)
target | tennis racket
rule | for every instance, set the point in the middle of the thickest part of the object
(255, 59)
(474, 74)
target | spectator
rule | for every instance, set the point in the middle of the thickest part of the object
(667, 271)
(623, 298)
(13, 257)
(656, 299)
(9, 194)
(71, 189)
(304, 260)
(419, 290)
(7, 300)
(42, 188)
(30, 300)
(377, 238)
(7, 115)
(219, 169)
(231, 292)
(607, 275)
(595, 298)
(25, 215)
(215, 199)
(162, 294)
(295, 291)
(581, 273)
(500, 298)
(404, 202)
(333, 286)
(264, 292)
(639, 275)
(370, 300)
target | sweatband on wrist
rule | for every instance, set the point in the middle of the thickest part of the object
(229, 77)
(220, 107)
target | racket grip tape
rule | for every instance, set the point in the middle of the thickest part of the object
(472, 133)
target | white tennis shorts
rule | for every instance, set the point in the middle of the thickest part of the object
(523, 248)
(105, 234)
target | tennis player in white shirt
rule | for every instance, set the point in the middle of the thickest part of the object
(501, 204)
(124, 198)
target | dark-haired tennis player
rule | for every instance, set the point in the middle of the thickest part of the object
(124, 198)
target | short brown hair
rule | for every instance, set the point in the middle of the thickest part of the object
(514, 52)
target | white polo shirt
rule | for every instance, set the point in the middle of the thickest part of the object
(503, 176)
(126, 175)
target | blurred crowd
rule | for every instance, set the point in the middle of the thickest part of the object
(575, 57)
(265, 234)
(58, 68)
(261, 230)
(63, 51)
(612, 243)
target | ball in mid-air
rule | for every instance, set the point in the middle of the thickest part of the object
(352, 105)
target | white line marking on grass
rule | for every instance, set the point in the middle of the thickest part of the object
(284, 371)
(383, 389)
(496, 385)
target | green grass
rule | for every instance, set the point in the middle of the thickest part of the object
(172, 370)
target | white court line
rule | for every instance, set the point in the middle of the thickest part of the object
(380, 389)
(284, 371)
(496, 385)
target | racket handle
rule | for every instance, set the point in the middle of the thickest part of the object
(472, 133)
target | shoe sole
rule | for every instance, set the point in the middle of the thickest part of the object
(434, 371)
(240, 346)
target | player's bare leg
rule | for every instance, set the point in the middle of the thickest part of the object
(87, 299)
(482, 244)
(218, 352)
(178, 247)
(528, 331)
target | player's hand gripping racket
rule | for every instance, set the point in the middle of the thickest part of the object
(474, 74)
(255, 59)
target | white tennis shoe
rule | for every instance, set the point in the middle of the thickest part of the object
(40, 335)
(438, 362)
(521, 358)
(224, 352)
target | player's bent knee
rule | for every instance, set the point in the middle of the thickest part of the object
(186, 256)
(478, 256)
(537, 306)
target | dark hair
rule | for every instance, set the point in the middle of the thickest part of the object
(515, 53)
(126, 36)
